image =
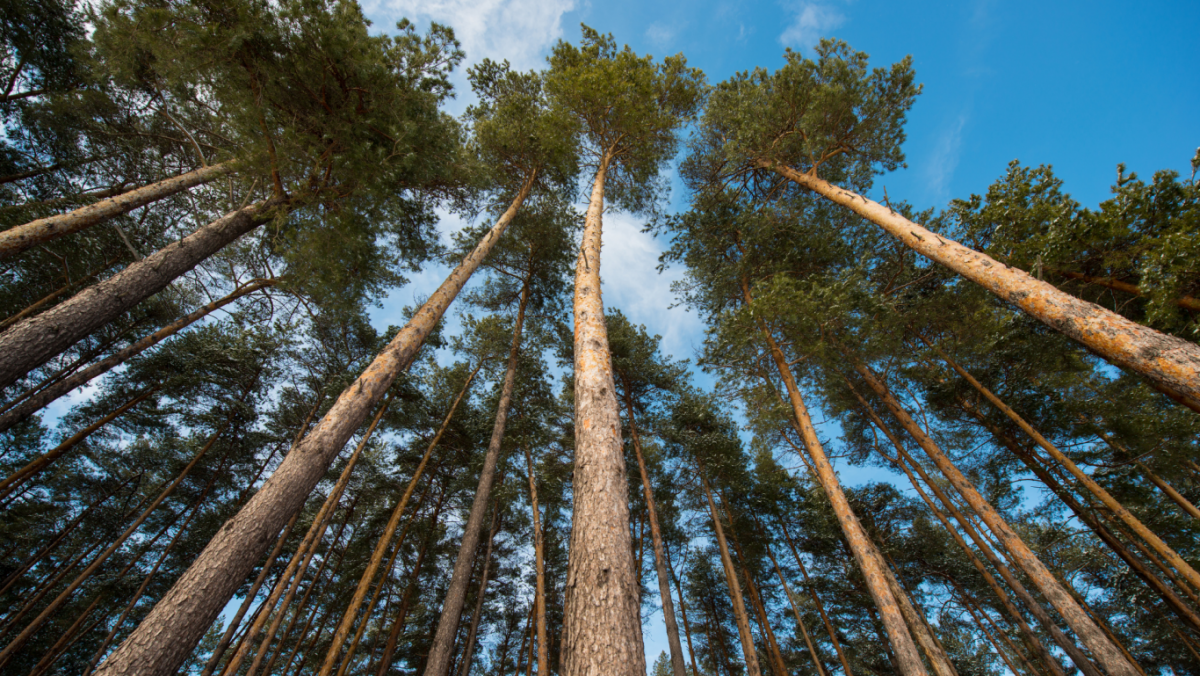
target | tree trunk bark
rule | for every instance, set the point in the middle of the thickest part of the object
(1044, 580)
(469, 650)
(812, 592)
(441, 652)
(368, 575)
(48, 298)
(38, 399)
(36, 340)
(169, 633)
(35, 466)
(660, 563)
(51, 609)
(19, 238)
(539, 563)
(1108, 655)
(1094, 488)
(735, 591)
(932, 647)
(602, 624)
(860, 545)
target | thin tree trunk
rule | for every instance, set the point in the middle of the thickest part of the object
(48, 298)
(760, 608)
(735, 590)
(539, 563)
(36, 340)
(38, 399)
(35, 466)
(687, 630)
(602, 623)
(298, 565)
(1131, 521)
(60, 645)
(988, 634)
(389, 650)
(1171, 362)
(932, 647)
(469, 650)
(169, 633)
(368, 575)
(1043, 617)
(1177, 605)
(51, 609)
(1182, 502)
(787, 590)
(860, 545)
(441, 651)
(812, 592)
(1185, 302)
(1107, 654)
(17, 239)
(660, 563)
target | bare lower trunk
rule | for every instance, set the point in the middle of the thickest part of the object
(735, 590)
(364, 583)
(169, 633)
(660, 563)
(1160, 547)
(1172, 363)
(602, 624)
(38, 399)
(469, 650)
(539, 563)
(441, 652)
(860, 545)
(17, 239)
(36, 340)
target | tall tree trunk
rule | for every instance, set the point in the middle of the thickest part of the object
(760, 609)
(469, 650)
(932, 647)
(539, 566)
(735, 590)
(812, 592)
(36, 399)
(860, 545)
(787, 590)
(62, 598)
(36, 340)
(1139, 569)
(35, 466)
(602, 623)
(1107, 654)
(368, 575)
(1160, 547)
(441, 652)
(1185, 302)
(660, 562)
(48, 298)
(1172, 363)
(169, 633)
(17, 239)
(1182, 502)
(1035, 608)
(385, 662)
(971, 609)
(298, 564)
(687, 630)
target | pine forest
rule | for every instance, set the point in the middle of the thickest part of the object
(212, 462)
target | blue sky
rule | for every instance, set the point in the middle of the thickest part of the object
(1080, 86)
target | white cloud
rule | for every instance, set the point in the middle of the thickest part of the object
(813, 21)
(944, 160)
(518, 30)
(660, 33)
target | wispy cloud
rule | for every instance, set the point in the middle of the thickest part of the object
(518, 30)
(943, 161)
(660, 34)
(813, 21)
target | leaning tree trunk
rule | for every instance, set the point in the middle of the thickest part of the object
(364, 583)
(441, 652)
(178, 621)
(15, 240)
(812, 592)
(1135, 524)
(469, 650)
(787, 590)
(1109, 656)
(735, 590)
(35, 341)
(660, 562)
(860, 545)
(602, 623)
(37, 399)
(1170, 362)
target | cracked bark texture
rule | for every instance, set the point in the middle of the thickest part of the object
(602, 625)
